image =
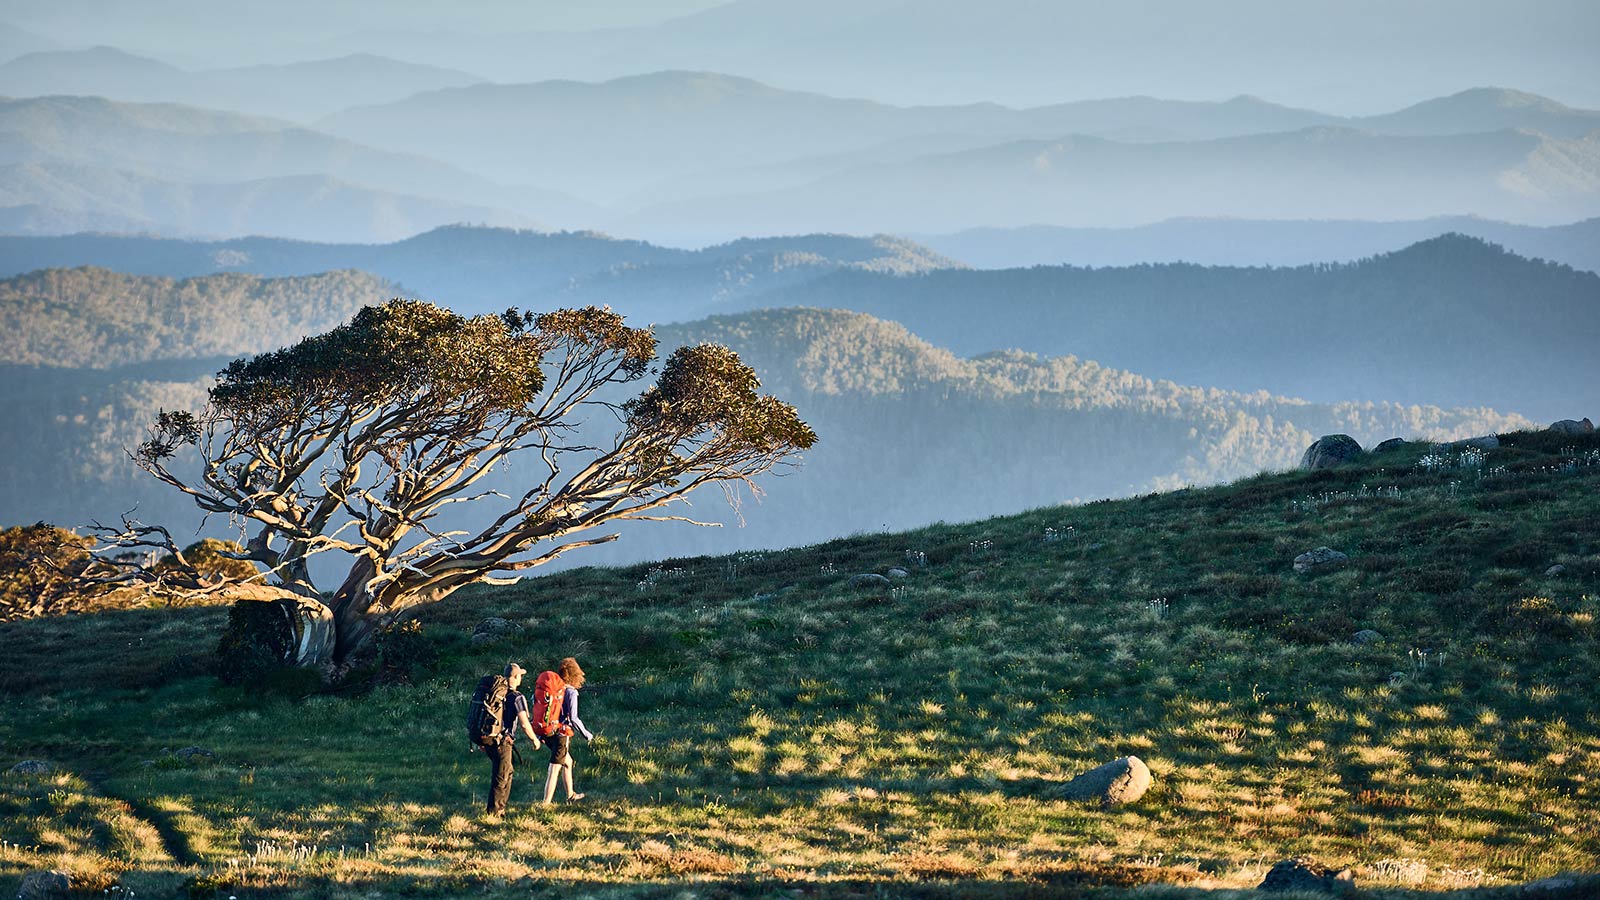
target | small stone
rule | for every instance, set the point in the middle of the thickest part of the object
(1301, 874)
(1330, 450)
(1390, 444)
(1366, 636)
(1555, 570)
(191, 753)
(1320, 560)
(975, 576)
(32, 767)
(898, 572)
(1573, 426)
(1113, 784)
(868, 579)
(44, 886)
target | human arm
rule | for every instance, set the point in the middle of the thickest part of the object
(570, 713)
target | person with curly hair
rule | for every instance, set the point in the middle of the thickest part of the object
(559, 743)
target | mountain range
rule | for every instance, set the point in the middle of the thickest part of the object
(692, 158)
(301, 91)
(1452, 321)
(1245, 242)
(476, 270)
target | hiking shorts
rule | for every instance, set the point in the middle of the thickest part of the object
(559, 744)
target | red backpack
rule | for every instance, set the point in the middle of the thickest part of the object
(549, 693)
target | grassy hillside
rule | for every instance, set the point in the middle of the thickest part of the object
(769, 730)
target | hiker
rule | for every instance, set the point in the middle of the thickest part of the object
(560, 756)
(497, 735)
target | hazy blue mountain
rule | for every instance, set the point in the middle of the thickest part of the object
(1485, 109)
(487, 269)
(1452, 321)
(1321, 172)
(207, 151)
(300, 91)
(309, 207)
(1356, 57)
(1245, 242)
(702, 122)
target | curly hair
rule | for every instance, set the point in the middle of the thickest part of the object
(571, 672)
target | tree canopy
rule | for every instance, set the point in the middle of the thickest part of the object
(357, 440)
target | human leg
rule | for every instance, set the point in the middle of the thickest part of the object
(499, 776)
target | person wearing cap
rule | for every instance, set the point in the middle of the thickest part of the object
(503, 752)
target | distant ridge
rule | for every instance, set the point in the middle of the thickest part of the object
(1452, 321)
(478, 269)
(1246, 242)
(302, 91)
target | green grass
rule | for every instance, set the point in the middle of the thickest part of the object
(767, 729)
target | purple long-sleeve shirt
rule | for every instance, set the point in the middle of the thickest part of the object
(569, 713)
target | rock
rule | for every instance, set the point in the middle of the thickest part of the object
(44, 886)
(1113, 784)
(1330, 450)
(898, 572)
(1573, 426)
(1555, 571)
(493, 629)
(190, 753)
(1321, 559)
(1302, 874)
(32, 767)
(1390, 444)
(1366, 636)
(868, 580)
(975, 576)
(1482, 442)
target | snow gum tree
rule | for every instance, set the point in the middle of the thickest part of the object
(355, 441)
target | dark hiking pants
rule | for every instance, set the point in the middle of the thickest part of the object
(499, 775)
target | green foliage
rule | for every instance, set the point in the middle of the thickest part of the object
(256, 643)
(405, 654)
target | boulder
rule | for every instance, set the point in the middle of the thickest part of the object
(1322, 559)
(1555, 571)
(191, 753)
(1300, 874)
(44, 886)
(868, 580)
(1573, 426)
(1390, 444)
(1113, 784)
(493, 629)
(898, 572)
(1482, 442)
(1330, 450)
(1366, 636)
(32, 767)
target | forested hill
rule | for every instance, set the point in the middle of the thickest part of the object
(476, 269)
(910, 434)
(1453, 321)
(94, 318)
